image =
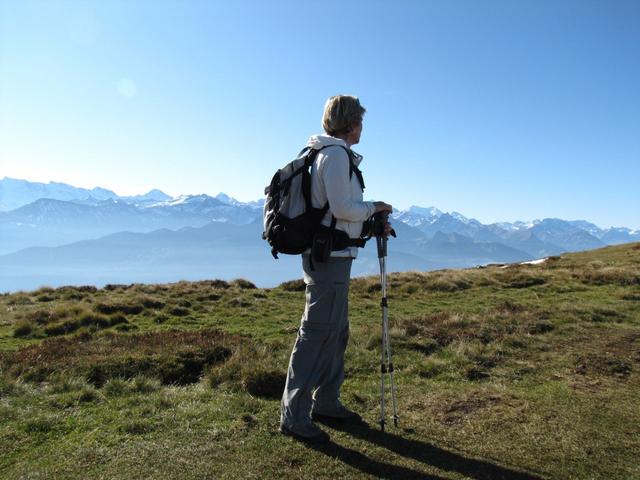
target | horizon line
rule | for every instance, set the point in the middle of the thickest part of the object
(174, 197)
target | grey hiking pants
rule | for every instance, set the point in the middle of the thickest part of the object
(316, 367)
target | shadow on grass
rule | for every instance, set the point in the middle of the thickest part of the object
(367, 465)
(417, 450)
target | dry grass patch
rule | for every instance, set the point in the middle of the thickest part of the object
(250, 368)
(601, 364)
(443, 327)
(612, 355)
(76, 293)
(460, 410)
(20, 298)
(63, 319)
(633, 297)
(177, 311)
(520, 276)
(91, 320)
(171, 357)
(608, 275)
(300, 286)
(131, 307)
(243, 284)
(59, 312)
(412, 282)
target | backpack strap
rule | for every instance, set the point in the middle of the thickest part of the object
(353, 168)
(306, 178)
(306, 186)
(339, 242)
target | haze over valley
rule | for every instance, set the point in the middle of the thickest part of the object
(55, 234)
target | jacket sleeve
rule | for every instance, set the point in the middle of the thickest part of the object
(338, 186)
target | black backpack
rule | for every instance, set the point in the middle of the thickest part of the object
(290, 221)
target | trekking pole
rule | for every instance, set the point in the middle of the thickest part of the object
(383, 282)
(386, 364)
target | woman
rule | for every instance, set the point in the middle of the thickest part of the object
(316, 367)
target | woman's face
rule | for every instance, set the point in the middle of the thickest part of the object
(354, 135)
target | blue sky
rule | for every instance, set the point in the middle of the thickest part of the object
(500, 110)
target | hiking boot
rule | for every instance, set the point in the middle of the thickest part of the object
(310, 433)
(340, 413)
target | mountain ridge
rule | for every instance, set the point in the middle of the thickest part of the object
(428, 238)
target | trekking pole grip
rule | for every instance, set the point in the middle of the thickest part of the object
(380, 221)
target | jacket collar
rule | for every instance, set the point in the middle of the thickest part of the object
(319, 141)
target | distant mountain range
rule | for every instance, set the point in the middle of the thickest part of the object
(538, 237)
(57, 234)
(57, 219)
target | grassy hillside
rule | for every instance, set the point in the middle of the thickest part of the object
(529, 371)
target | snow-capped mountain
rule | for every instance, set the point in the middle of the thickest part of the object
(147, 227)
(536, 237)
(417, 216)
(615, 236)
(222, 250)
(462, 218)
(587, 227)
(565, 235)
(152, 196)
(224, 198)
(49, 222)
(15, 193)
(49, 212)
(609, 236)
(221, 208)
(431, 221)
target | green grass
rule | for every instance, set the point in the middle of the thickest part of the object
(530, 371)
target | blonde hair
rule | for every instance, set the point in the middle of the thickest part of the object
(341, 112)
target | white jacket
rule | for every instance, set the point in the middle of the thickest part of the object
(330, 182)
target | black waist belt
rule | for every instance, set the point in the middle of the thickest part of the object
(340, 243)
(328, 239)
(341, 240)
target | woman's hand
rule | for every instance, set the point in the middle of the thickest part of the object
(383, 207)
(387, 230)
